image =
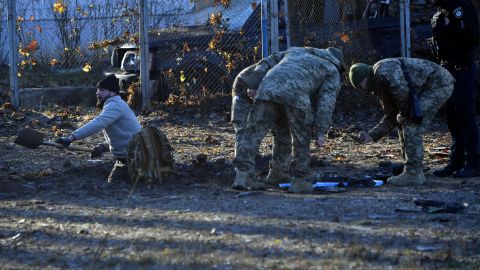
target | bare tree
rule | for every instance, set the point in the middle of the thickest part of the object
(68, 17)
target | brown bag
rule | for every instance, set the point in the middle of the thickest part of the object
(149, 156)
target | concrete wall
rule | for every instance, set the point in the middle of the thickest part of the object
(41, 98)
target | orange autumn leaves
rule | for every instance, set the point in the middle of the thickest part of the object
(29, 47)
(33, 45)
(59, 7)
(225, 3)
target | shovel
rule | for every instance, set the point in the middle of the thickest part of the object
(31, 138)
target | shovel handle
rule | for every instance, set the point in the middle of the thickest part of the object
(71, 147)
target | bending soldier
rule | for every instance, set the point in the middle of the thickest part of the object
(300, 90)
(388, 82)
(243, 92)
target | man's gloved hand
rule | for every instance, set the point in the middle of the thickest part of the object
(98, 150)
(65, 141)
(320, 140)
(363, 137)
(251, 93)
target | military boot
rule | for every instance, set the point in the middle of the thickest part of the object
(299, 185)
(408, 179)
(119, 172)
(277, 176)
(245, 181)
(470, 170)
(448, 170)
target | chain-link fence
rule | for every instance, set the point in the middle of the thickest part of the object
(338, 23)
(366, 31)
(196, 47)
(199, 51)
(67, 43)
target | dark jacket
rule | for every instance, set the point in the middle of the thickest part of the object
(457, 41)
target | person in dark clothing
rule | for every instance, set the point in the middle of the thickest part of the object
(456, 32)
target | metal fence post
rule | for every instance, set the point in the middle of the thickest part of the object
(13, 46)
(264, 28)
(405, 27)
(274, 26)
(287, 23)
(144, 54)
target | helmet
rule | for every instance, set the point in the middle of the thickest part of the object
(358, 72)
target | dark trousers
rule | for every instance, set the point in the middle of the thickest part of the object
(461, 118)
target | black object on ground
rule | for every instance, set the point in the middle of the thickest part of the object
(434, 206)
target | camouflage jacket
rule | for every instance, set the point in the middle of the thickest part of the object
(304, 78)
(388, 83)
(249, 78)
(241, 103)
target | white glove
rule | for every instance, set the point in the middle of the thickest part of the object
(251, 93)
(401, 119)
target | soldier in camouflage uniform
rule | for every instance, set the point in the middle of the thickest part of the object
(242, 101)
(434, 85)
(300, 89)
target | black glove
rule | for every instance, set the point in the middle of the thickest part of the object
(98, 150)
(65, 141)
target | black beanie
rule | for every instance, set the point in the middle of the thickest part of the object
(110, 83)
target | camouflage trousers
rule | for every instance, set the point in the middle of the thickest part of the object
(411, 134)
(265, 116)
(282, 146)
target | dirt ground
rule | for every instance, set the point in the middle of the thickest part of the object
(57, 210)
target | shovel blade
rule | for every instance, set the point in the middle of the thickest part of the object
(30, 138)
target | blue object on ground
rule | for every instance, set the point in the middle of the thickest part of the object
(327, 184)
(319, 185)
(378, 183)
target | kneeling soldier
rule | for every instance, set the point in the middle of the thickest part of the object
(390, 81)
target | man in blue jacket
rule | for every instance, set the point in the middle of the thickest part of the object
(117, 122)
